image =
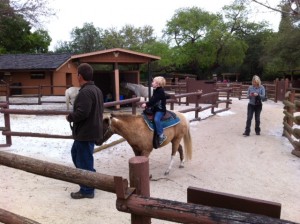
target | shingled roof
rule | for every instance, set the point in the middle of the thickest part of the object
(49, 61)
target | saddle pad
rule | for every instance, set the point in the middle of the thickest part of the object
(166, 123)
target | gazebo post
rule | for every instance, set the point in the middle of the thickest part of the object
(149, 79)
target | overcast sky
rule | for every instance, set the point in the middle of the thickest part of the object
(107, 14)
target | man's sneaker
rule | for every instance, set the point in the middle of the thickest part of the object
(162, 140)
(79, 195)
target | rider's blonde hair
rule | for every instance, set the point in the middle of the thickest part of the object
(161, 81)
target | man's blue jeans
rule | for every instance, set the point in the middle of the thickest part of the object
(82, 156)
(158, 116)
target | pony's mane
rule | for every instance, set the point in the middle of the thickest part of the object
(127, 117)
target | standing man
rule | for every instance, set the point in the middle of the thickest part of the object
(87, 118)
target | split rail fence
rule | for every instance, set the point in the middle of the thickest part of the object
(135, 102)
(291, 120)
(274, 90)
(206, 207)
(203, 206)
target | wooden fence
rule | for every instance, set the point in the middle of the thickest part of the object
(135, 102)
(292, 118)
(135, 199)
(236, 87)
(274, 90)
(6, 130)
(8, 91)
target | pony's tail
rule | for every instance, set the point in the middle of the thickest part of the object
(187, 139)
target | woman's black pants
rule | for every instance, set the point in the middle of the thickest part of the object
(256, 110)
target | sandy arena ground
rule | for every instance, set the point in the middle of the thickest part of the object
(223, 160)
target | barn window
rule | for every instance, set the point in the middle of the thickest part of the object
(37, 76)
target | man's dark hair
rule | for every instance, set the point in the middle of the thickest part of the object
(86, 71)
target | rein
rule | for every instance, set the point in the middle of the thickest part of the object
(108, 130)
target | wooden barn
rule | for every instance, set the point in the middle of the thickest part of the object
(57, 71)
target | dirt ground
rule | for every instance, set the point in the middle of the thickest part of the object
(224, 160)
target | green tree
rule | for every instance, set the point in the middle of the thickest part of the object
(161, 49)
(112, 38)
(203, 42)
(33, 11)
(128, 37)
(15, 30)
(83, 40)
(282, 51)
(63, 47)
(90, 38)
(252, 35)
(40, 41)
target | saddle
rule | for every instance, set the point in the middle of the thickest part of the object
(168, 115)
(168, 120)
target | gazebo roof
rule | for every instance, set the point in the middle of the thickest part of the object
(116, 52)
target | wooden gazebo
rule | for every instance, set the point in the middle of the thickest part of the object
(111, 67)
(109, 80)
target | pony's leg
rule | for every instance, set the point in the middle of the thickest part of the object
(170, 165)
(180, 150)
(67, 102)
(175, 148)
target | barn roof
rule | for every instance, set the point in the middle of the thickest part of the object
(49, 61)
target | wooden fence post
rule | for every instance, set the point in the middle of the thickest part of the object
(197, 105)
(291, 109)
(7, 93)
(139, 179)
(39, 95)
(6, 125)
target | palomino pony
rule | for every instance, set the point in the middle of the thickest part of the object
(134, 129)
(71, 94)
(138, 89)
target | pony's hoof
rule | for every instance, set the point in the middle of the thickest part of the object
(167, 172)
(181, 166)
(150, 176)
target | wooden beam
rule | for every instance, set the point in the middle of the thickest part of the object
(11, 218)
(60, 172)
(234, 202)
(181, 212)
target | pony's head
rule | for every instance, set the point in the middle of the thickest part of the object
(107, 132)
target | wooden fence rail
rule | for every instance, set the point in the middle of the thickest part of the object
(59, 172)
(11, 218)
(136, 198)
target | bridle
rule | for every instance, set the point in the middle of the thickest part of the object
(108, 129)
